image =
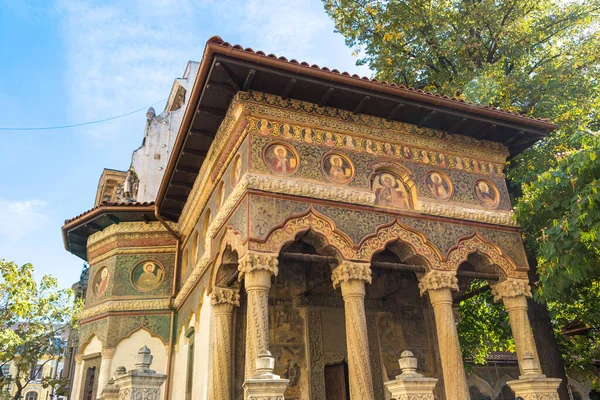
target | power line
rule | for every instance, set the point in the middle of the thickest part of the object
(83, 123)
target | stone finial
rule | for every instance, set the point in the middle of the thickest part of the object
(408, 363)
(143, 360)
(150, 114)
(121, 370)
(265, 364)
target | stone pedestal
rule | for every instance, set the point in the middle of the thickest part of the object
(223, 300)
(110, 391)
(265, 385)
(439, 286)
(351, 277)
(533, 385)
(514, 293)
(411, 385)
(257, 269)
(141, 383)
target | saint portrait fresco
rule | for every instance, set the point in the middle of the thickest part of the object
(264, 127)
(439, 185)
(308, 135)
(236, 170)
(101, 281)
(147, 275)
(328, 139)
(286, 131)
(338, 168)
(487, 193)
(390, 191)
(281, 159)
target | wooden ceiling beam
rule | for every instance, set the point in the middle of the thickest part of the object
(424, 120)
(361, 104)
(249, 79)
(454, 128)
(187, 170)
(230, 76)
(326, 96)
(288, 89)
(195, 153)
(221, 87)
(211, 112)
(393, 111)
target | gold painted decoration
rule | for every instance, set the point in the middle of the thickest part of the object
(390, 191)
(147, 275)
(373, 146)
(236, 170)
(281, 158)
(101, 280)
(487, 193)
(338, 168)
(439, 185)
(220, 195)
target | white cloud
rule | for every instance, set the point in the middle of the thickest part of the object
(124, 55)
(19, 218)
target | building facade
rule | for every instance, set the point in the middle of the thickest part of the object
(324, 218)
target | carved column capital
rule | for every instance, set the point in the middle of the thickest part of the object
(351, 271)
(254, 261)
(78, 358)
(108, 352)
(435, 279)
(222, 295)
(511, 288)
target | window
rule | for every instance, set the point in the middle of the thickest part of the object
(6, 370)
(90, 378)
(31, 396)
(36, 372)
(190, 364)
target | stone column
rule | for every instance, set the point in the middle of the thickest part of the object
(256, 269)
(439, 286)
(532, 385)
(223, 300)
(104, 374)
(411, 385)
(77, 380)
(351, 277)
(514, 293)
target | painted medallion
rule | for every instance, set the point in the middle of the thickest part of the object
(487, 193)
(101, 281)
(281, 158)
(439, 185)
(338, 168)
(264, 127)
(390, 191)
(147, 275)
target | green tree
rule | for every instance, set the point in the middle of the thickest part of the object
(535, 57)
(33, 315)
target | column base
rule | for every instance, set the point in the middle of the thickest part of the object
(535, 387)
(411, 385)
(265, 385)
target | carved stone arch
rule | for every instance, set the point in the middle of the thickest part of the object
(499, 384)
(396, 231)
(400, 171)
(475, 243)
(581, 388)
(231, 242)
(482, 384)
(86, 341)
(139, 328)
(313, 221)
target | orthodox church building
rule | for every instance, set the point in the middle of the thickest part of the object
(290, 231)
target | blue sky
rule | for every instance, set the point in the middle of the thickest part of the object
(70, 61)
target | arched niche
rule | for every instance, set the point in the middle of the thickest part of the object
(393, 186)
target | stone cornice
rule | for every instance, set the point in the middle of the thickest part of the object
(124, 305)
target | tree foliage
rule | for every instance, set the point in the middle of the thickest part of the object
(536, 57)
(33, 316)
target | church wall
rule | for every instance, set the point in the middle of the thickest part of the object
(179, 367)
(128, 347)
(203, 354)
